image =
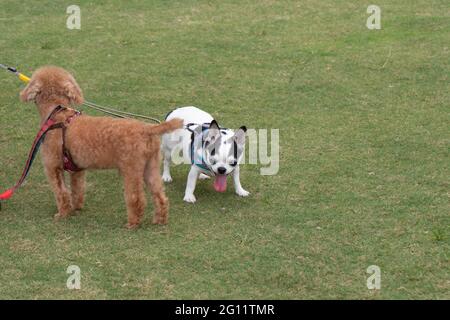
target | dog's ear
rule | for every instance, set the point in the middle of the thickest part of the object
(213, 132)
(31, 91)
(73, 92)
(214, 125)
(239, 136)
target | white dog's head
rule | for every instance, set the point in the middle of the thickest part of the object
(223, 149)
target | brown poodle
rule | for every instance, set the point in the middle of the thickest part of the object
(131, 146)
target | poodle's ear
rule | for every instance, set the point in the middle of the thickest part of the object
(31, 91)
(73, 92)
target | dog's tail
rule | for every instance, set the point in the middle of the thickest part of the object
(165, 127)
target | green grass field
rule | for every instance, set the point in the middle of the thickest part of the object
(364, 150)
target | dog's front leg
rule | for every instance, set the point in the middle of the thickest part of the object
(190, 186)
(55, 176)
(237, 184)
(53, 166)
(78, 186)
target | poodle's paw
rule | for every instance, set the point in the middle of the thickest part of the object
(60, 216)
(203, 176)
(189, 198)
(132, 226)
(242, 193)
(167, 178)
(77, 209)
(75, 212)
(161, 220)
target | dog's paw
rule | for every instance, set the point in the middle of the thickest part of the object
(132, 226)
(189, 198)
(167, 178)
(77, 209)
(161, 220)
(203, 176)
(60, 216)
(242, 193)
(78, 206)
(75, 212)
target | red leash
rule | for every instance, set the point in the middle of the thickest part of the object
(49, 124)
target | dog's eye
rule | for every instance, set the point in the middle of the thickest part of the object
(234, 163)
(213, 152)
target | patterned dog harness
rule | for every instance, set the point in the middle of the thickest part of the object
(69, 164)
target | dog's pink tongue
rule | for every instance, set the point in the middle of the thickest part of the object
(220, 184)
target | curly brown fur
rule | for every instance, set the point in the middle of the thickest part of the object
(131, 146)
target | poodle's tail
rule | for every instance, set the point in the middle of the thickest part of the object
(165, 127)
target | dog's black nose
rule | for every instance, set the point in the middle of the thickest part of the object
(221, 170)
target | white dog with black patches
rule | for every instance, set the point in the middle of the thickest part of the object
(212, 151)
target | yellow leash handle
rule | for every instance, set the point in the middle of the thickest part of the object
(23, 77)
